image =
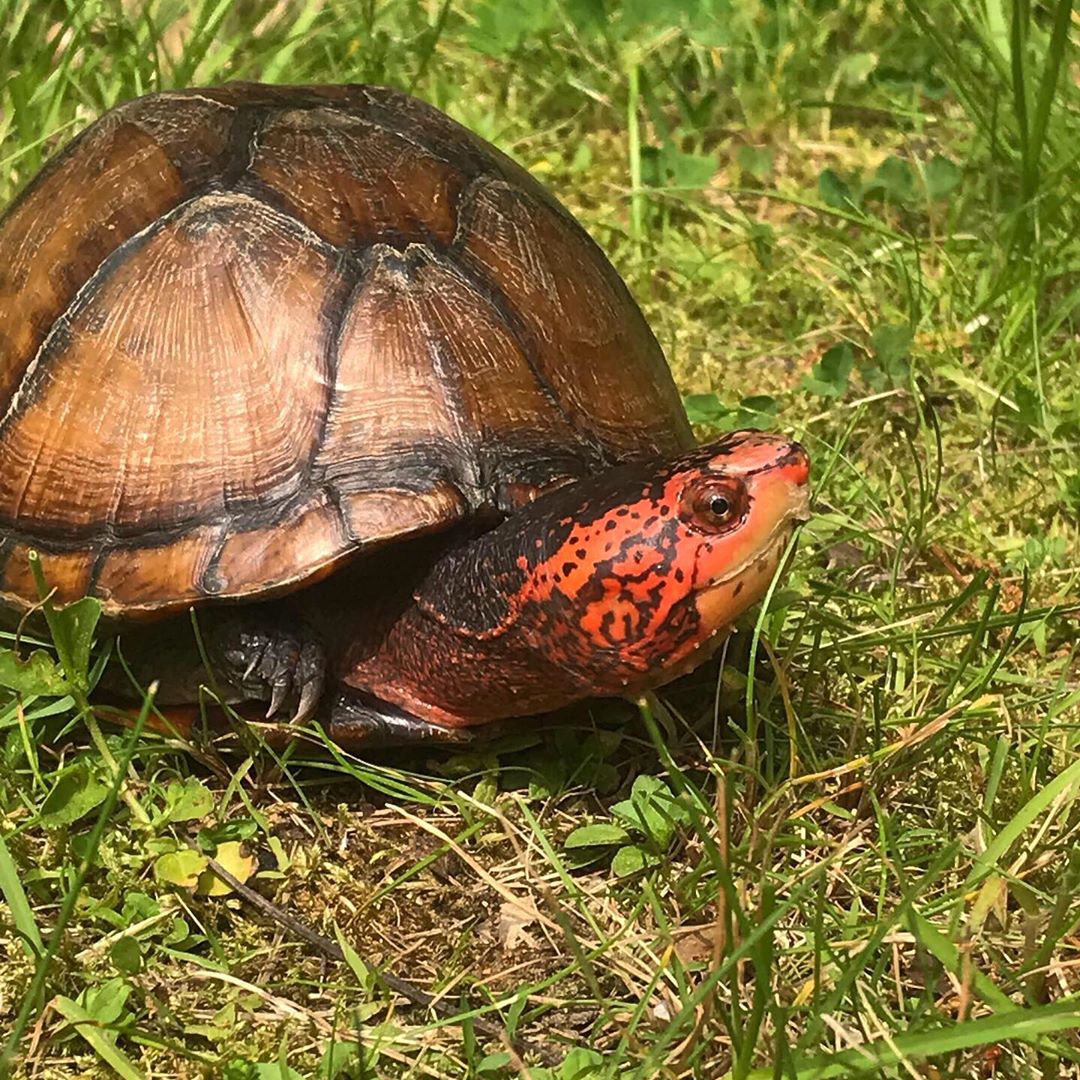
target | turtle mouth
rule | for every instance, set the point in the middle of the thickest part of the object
(801, 512)
(725, 598)
(771, 556)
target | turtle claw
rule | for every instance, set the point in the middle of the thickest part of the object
(357, 720)
(302, 679)
(273, 662)
(305, 707)
(279, 691)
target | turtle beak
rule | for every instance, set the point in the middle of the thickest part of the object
(794, 466)
(802, 513)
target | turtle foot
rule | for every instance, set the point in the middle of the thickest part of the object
(276, 662)
(359, 720)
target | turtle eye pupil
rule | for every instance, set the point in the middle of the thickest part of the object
(714, 506)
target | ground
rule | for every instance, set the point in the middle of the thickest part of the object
(850, 848)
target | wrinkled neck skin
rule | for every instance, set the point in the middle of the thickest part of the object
(552, 607)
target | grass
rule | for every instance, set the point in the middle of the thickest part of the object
(851, 849)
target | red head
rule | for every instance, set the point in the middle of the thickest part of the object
(629, 587)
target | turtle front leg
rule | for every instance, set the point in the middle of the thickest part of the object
(356, 720)
(275, 659)
(259, 654)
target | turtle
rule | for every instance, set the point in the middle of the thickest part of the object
(324, 373)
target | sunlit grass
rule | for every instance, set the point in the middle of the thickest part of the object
(847, 221)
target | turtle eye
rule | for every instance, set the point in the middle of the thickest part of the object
(714, 505)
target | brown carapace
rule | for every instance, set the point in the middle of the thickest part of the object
(252, 335)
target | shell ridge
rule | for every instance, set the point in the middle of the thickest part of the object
(242, 145)
(505, 310)
(451, 383)
(336, 307)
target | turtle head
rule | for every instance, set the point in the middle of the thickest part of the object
(644, 574)
(739, 502)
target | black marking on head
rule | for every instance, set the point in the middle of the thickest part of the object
(631, 633)
(724, 448)
(792, 456)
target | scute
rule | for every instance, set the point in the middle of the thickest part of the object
(247, 331)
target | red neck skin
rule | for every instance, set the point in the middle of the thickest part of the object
(438, 673)
(591, 592)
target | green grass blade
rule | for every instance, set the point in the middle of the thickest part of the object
(1018, 27)
(32, 998)
(1051, 73)
(1065, 783)
(1020, 1026)
(96, 1036)
(947, 954)
(18, 905)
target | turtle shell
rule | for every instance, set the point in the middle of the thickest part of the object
(247, 331)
